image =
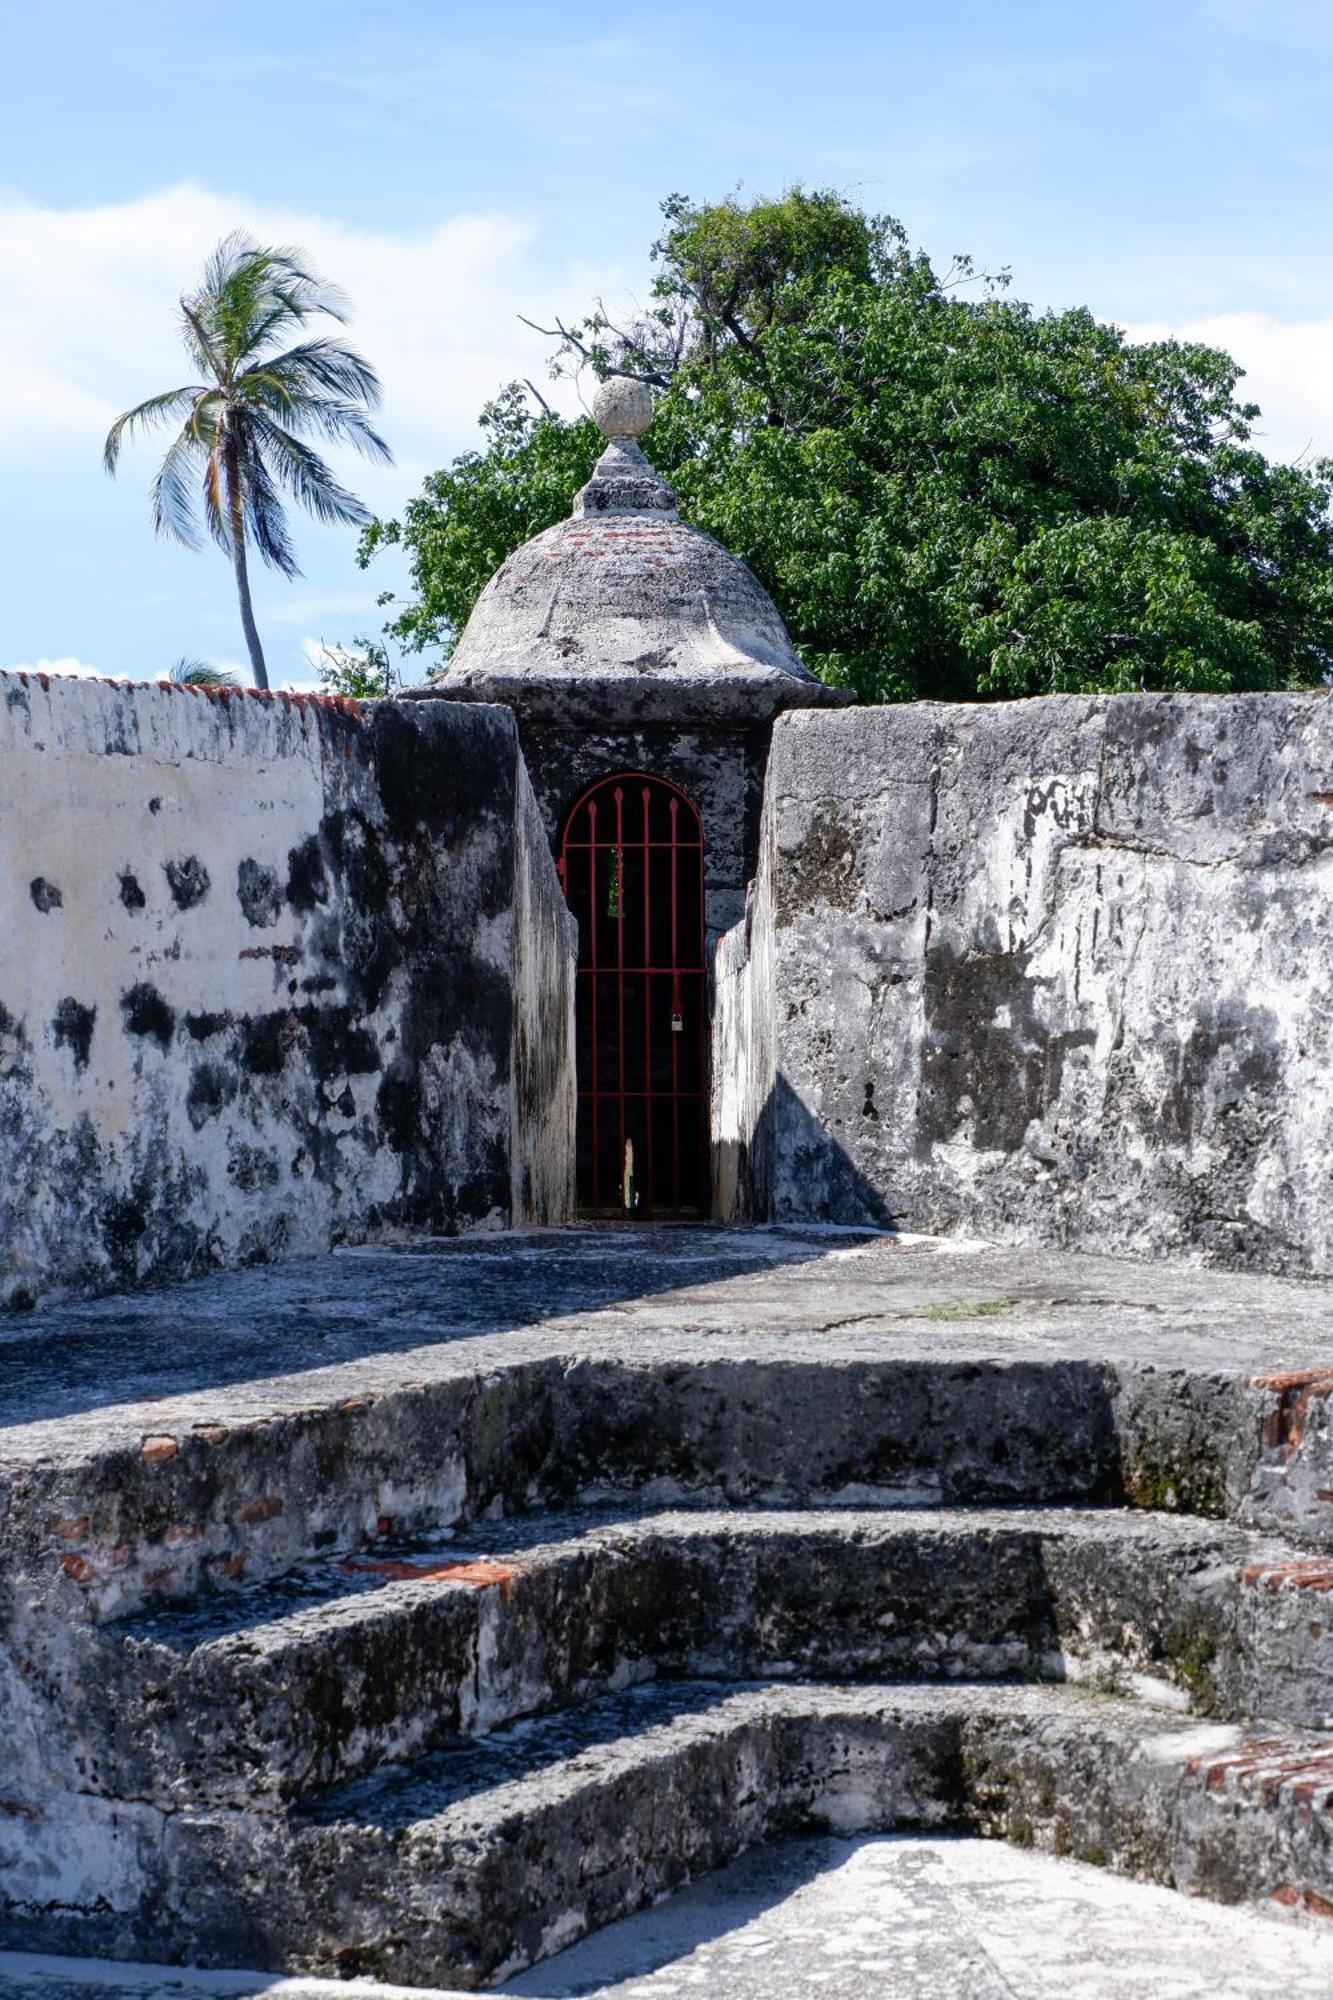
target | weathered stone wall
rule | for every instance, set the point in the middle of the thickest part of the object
(743, 1069)
(1049, 971)
(543, 1097)
(262, 986)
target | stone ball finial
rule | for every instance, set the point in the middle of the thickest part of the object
(622, 407)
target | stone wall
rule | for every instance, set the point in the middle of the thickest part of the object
(263, 984)
(1047, 971)
(742, 1116)
(543, 1098)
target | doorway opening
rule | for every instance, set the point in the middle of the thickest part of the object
(631, 858)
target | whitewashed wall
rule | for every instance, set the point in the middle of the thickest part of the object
(257, 979)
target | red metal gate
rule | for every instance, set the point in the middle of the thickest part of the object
(632, 862)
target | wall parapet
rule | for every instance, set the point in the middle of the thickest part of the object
(1052, 971)
(263, 981)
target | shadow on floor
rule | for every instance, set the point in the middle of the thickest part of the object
(317, 1312)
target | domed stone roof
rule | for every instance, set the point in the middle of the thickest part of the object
(625, 608)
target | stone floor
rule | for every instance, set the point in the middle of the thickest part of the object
(260, 1341)
(912, 1917)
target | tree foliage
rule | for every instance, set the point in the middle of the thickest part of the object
(245, 426)
(947, 493)
(364, 670)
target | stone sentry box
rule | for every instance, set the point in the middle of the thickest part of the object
(626, 641)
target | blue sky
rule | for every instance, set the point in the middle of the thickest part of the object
(1166, 164)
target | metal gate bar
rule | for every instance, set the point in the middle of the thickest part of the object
(605, 862)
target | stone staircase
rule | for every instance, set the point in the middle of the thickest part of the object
(424, 1662)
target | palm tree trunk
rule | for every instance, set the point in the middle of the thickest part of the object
(236, 509)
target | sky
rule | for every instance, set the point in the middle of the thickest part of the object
(1164, 162)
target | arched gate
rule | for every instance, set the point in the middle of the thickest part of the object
(631, 858)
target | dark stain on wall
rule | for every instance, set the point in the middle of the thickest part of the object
(72, 1025)
(824, 869)
(15, 1069)
(45, 895)
(1227, 1072)
(202, 1027)
(147, 1013)
(131, 895)
(447, 785)
(252, 1167)
(212, 1088)
(153, 1227)
(336, 1042)
(987, 1056)
(369, 944)
(188, 881)
(307, 876)
(124, 1222)
(265, 1040)
(435, 796)
(259, 893)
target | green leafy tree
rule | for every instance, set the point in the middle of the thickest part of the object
(363, 670)
(948, 494)
(244, 428)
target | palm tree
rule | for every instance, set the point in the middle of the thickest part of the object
(188, 672)
(243, 427)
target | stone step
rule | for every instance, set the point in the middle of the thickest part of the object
(486, 1857)
(158, 1443)
(278, 1688)
(96, 1523)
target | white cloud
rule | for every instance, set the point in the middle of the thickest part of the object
(1288, 372)
(88, 321)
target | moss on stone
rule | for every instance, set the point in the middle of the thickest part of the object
(969, 1309)
(1192, 1645)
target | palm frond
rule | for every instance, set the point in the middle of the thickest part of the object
(306, 476)
(340, 422)
(330, 417)
(265, 515)
(172, 494)
(302, 288)
(322, 365)
(236, 248)
(170, 406)
(217, 513)
(194, 673)
(201, 341)
(252, 293)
